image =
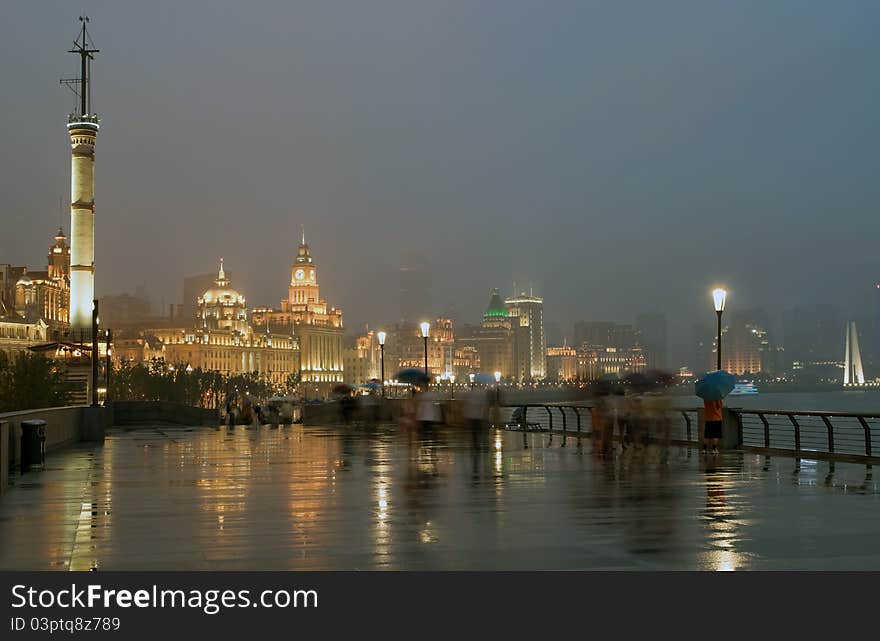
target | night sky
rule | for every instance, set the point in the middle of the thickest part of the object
(617, 157)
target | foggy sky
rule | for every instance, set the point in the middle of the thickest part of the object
(617, 157)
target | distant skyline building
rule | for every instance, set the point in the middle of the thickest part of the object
(652, 334)
(526, 313)
(82, 127)
(745, 344)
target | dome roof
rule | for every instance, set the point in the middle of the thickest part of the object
(496, 306)
(24, 280)
(222, 292)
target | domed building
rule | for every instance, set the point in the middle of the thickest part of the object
(222, 307)
(223, 341)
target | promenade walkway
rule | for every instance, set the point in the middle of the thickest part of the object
(334, 498)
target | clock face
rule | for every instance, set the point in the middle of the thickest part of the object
(299, 274)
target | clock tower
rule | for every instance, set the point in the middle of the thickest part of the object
(303, 288)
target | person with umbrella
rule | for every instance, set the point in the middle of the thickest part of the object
(712, 388)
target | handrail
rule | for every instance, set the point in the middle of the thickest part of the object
(834, 436)
(740, 410)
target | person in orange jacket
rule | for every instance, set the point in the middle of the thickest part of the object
(712, 432)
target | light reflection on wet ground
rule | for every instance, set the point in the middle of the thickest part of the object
(332, 498)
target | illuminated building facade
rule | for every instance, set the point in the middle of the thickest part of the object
(221, 340)
(745, 344)
(362, 359)
(45, 294)
(526, 315)
(318, 327)
(562, 364)
(488, 347)
(596, 361)
(17, 334)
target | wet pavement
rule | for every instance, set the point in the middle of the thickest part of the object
(345, 498)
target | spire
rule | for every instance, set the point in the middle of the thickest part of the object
(221, 275)
(303, 230)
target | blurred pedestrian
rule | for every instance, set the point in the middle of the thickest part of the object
(428, 411)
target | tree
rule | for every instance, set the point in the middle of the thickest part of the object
(30, 381)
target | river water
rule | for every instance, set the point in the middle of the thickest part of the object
(856, 401)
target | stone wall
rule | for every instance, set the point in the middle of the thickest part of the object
(63, 427)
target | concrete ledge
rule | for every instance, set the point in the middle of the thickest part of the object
(140, 412)
(63, 427)
(4, 455)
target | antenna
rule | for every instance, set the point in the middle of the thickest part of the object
(81, 87)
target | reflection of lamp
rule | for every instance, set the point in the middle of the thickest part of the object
(719, 297)
(425, 328)
(381, 336)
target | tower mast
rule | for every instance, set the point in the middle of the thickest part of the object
(82, 127)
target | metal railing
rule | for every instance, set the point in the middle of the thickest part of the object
(840, 435)
(577, 420)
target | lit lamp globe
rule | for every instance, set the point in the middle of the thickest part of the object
(719, 296)
(381, 336)
(425, 327)
(497, 377)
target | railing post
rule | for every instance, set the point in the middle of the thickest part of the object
(766, 430)
(564, 422)
(577, 413)
(550, 416)
(797, 432)
(687, 423)
(867, 429)
(827, 422)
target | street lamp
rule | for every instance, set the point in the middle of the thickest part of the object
(719, 296)
(381, 336)
(471, 377)
(95, 323)
(109, 336)
(498, 387)
(452, 383)
(425, 327)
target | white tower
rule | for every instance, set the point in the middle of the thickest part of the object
(82, 125)
(853, 373)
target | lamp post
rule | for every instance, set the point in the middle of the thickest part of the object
(95, 353)
(425, 328)
(719, 296)
(498, 388)
(471, 377)
(109, 335)
(452, 386)
(381, 336)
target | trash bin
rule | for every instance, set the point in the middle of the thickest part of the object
(33, 444)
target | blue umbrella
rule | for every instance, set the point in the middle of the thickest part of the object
(715, 385)
(482, 378)
(412, 375)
